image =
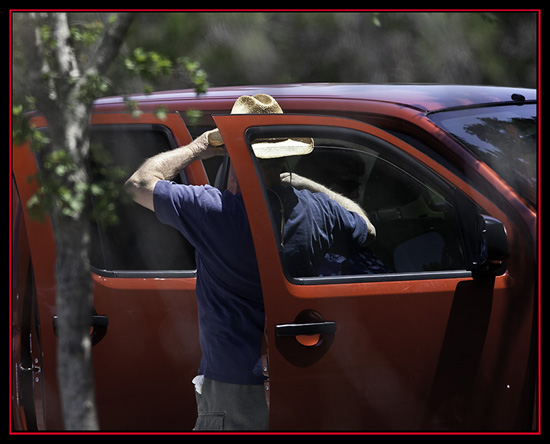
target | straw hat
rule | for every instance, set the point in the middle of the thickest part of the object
(265, 148)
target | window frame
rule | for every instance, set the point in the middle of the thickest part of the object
(95, 225)
(399, 159)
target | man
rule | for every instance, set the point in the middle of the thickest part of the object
(230, 305)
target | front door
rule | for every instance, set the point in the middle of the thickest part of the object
(389, 339)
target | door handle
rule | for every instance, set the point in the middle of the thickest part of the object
(98, 327)
(315, 328)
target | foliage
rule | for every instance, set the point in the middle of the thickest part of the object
(147, 64)
(53, 188)
(257, 48)
(56, 187)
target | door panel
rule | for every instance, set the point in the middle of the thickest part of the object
(391, 363)
(144, 365)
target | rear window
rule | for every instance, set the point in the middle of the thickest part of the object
(504, 137)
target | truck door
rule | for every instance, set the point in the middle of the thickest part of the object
(387, 340)
(145, 333)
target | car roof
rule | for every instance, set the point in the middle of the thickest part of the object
(424, 97)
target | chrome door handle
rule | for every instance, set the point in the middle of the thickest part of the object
(315, 328)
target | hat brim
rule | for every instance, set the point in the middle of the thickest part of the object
(282, 148)
(271, 148)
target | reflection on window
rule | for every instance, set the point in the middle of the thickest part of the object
(504, 137)
(415, 225)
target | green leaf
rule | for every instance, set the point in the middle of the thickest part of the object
(161, 112)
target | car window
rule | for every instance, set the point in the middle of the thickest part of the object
(138, 242)
(415, 218)
(505, 137)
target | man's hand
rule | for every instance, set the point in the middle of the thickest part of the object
(202, 149)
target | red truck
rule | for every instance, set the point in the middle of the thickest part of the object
(444, 337)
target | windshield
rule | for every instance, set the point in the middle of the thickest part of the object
(504, 137)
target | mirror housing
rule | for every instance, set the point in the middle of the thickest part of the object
(492, 247)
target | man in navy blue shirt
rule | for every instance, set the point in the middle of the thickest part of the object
(230, 305)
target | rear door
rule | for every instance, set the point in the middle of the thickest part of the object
(144, 286)
(391, 340)
(145, 334)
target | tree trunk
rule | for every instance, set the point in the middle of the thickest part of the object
(74, 298)
(74, 311)
(61, 88)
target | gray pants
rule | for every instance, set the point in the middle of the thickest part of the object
(223, 406)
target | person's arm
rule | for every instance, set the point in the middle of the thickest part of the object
(303, 183)
(165, 166)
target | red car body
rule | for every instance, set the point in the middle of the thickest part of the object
(442, 348)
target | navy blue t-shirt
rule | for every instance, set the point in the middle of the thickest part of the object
(229, 294)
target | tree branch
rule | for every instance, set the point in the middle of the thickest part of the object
(112, 40)
(67, 65)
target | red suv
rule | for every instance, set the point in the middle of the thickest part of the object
(441, 335)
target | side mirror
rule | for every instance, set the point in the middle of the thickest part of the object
(492, 247)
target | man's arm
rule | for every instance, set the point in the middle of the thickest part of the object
(165, 166)
(303, 183)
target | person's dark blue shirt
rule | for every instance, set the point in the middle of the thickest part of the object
(229, 295)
